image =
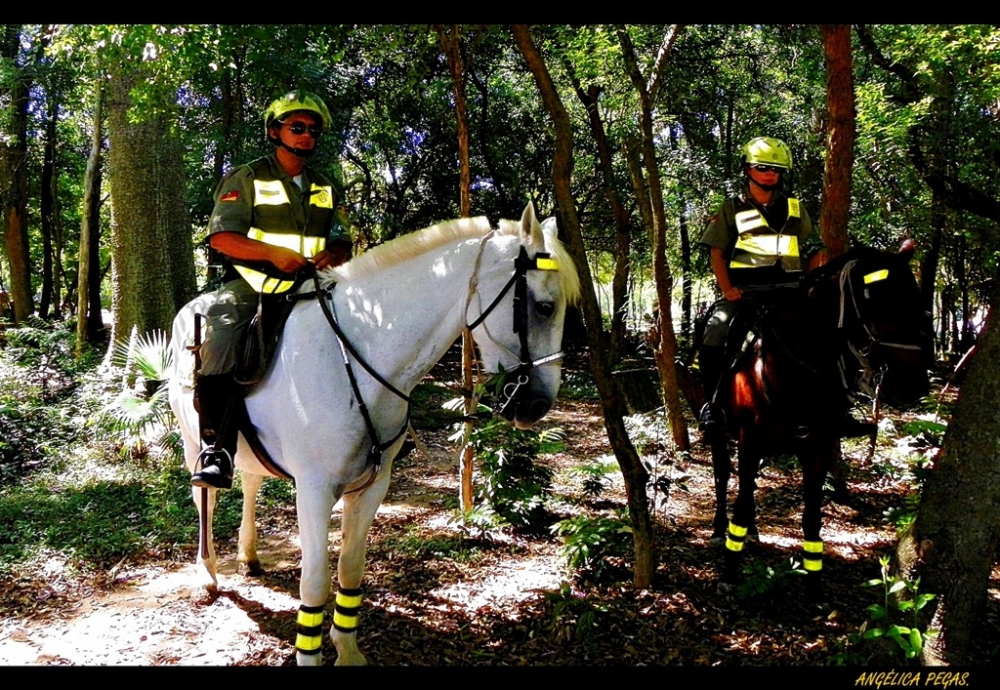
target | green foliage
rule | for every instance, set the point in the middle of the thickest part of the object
(760, 578)
(135, 415)
(588, 543)
(574, 615)
(901, 599)
(510, 481)
(594, 476)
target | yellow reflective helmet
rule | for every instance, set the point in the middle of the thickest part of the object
(296, 101)
(767, 151)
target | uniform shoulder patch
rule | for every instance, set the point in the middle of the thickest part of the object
(232, 195)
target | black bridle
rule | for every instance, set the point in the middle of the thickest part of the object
(510, 391)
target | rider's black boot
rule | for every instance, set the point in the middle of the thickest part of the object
(711, 364)
(214, 395)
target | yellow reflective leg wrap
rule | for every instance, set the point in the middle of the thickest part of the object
(309, 636)
(345, 612)
(735, 537)
(812, 559)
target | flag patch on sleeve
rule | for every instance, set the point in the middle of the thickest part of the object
(230, 196)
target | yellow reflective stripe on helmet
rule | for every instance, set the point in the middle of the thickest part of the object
(348, 601)
(309, 620)
(547, 264)
(308, 643)
(812, 546)
(793, 208)
(749, 220)
(321, 196)
(877, 276)
(269, 193)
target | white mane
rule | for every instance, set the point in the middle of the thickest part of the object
(417, 243)
(412, 245)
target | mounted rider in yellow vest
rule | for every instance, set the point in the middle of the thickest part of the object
(758, 243)
(755, 241)
(271, 219)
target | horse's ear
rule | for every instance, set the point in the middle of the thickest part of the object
(550, 228)
(531, 231)
(906, 248)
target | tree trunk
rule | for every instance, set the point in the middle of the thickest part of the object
(50, 257)
(840, 137)
(153, 273)
(952, 542)
(89, 321)
(666, 349)
(450, 43)
(635, 474)
(14, 177)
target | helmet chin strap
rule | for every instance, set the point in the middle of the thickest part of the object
(766, 187)
(301, 153)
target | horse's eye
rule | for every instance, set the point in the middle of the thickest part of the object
(545, 309)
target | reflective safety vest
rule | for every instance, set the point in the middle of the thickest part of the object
(274, 223)
(758, 245)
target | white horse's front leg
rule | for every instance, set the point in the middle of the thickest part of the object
(208, 584)
(359, 511)
(314, 500)
(247, 552)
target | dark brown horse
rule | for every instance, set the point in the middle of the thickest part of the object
(851, 323)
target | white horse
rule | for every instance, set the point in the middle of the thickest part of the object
(401, 306)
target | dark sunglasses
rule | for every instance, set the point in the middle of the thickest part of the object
(767, 168)
(302, 128)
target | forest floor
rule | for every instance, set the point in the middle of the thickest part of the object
(439, 592)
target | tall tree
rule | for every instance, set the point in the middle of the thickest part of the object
(666, 349)
(14, 170)
(89, 320)
(153, 272)
(840, 137)
(635, 474)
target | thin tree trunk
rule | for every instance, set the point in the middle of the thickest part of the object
(450, 43)
(88, 309)
(50, 259)
(635, 474)
(666, 349)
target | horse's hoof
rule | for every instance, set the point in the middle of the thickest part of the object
(205, 595)
(251, 568)
(308, 659)
(356, 659)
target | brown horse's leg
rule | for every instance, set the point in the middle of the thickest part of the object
(744, 510)
(721, 469)
(816, 463)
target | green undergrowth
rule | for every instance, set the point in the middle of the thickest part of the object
(70, 500)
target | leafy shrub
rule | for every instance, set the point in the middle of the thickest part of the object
(902, 597)
(510, 482)
(589, 543)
